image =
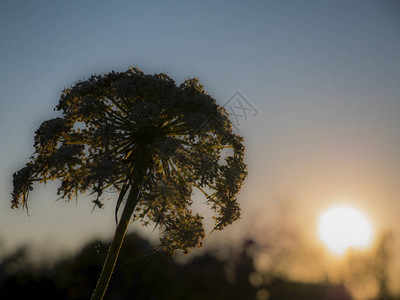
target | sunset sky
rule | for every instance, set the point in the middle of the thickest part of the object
(321, 79)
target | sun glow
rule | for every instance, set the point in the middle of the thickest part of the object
(342, 227)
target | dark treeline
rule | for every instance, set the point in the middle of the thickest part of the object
(144, 274)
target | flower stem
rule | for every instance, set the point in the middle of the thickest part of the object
(116, 243)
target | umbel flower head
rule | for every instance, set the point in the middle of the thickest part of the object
(124, 130)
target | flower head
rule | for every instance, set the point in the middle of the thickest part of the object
(117, 125)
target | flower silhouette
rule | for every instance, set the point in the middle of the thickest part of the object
(137, 134)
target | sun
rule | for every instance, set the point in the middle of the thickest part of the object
(343, 227)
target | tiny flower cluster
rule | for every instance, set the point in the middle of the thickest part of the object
(130, 130)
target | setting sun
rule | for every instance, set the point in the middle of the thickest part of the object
(342, 227)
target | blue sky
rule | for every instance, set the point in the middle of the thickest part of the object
(322, 75)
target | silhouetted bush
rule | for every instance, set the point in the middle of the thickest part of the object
(142, 273)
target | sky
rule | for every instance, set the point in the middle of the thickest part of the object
(321, 79)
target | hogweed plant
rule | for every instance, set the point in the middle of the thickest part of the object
(137, 134)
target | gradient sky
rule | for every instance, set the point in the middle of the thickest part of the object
(323, 77)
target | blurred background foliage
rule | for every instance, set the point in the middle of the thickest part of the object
(142, 273)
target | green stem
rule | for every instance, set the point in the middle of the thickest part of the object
(115, 246)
